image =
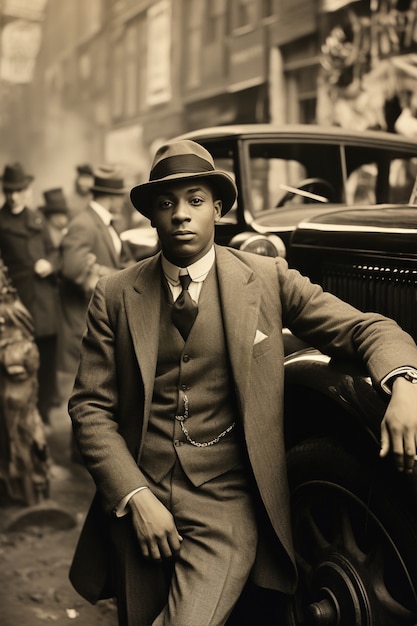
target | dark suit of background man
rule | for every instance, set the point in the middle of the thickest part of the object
(29, 254)
(91, 248)
(184, 434)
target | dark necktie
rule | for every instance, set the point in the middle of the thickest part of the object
(184, 309)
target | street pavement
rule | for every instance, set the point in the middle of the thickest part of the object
(37, 543)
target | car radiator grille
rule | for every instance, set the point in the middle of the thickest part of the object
(384, 289)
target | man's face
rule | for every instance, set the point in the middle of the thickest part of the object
(184, 214)
(16, 199)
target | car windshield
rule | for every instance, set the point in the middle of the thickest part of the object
(292, 176)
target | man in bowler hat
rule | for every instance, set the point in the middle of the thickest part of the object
(178, 407)
(28, 252)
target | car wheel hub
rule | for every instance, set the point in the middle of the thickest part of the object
(342, 593)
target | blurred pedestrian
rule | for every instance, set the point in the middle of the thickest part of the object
(91, 248)
(83, 182)
(56, 213)
(28, 253)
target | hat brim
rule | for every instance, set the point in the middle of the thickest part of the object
(17, 186)
(142, 195)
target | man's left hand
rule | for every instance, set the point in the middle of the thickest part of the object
(399, 426)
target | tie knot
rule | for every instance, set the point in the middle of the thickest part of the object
(185, 280)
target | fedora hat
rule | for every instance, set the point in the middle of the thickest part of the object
(15, 178)
(55, 201)
(109, 181)
(179, 160)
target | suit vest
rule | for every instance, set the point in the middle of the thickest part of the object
(197, 371)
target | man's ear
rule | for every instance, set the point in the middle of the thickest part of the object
(218, 210)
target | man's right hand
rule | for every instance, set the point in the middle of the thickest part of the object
(154, 526)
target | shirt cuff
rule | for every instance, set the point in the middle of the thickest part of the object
(122, 509)
(386, 382)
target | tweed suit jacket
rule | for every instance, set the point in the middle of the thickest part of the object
(112, 396)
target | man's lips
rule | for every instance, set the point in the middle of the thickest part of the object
(183, 234)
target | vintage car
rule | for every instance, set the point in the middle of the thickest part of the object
(340, 206)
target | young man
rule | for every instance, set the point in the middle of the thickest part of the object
(178, 407)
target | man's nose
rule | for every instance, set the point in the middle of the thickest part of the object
(181, 211)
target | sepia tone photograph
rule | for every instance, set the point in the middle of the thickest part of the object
(208, 312)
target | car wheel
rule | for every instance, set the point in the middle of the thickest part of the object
(355, 540)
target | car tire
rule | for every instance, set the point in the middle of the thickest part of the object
(355, 538)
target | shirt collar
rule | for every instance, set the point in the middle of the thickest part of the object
(197, 271)
(102, 212)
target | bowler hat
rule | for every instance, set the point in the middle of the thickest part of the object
(108, 180)
(55, 201)
(183, 159)
(15, 178)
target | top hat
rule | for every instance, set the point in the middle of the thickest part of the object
(55, 202)
(179, 160)
(15, 178)
(107, 180)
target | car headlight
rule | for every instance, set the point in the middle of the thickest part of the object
(265, 245)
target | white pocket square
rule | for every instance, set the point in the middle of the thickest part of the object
(260, 336)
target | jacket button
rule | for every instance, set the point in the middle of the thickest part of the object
(186, 358)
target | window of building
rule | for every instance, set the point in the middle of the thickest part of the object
(117, 82)
(214, 20)
(131, 73)
(245, 13)
(194, 16)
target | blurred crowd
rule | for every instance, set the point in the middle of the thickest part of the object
(54, 255)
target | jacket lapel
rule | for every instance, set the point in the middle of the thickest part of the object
(142, 302)
(240, 296)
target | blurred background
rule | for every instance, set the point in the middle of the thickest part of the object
(106, 81)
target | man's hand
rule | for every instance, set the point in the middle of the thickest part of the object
(43, 268)
(154, 526)
(399, 426)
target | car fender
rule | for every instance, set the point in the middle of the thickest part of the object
(325, 396)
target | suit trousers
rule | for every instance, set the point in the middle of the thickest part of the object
(202, 585)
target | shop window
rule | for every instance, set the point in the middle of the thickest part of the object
(214, 20)
(131, 71)
(117, 82)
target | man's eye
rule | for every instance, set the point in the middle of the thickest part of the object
(164, 204)
(196, 201)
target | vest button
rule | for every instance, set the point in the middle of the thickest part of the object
(186, 358)
(177, 443)
(184, 387)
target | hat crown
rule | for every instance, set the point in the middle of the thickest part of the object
(15, 178)
(108, 180)
(180, 157)
(55, 200)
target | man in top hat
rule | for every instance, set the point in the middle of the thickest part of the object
(28, 253)
(178, 409)
(56, 213)
(91, 248)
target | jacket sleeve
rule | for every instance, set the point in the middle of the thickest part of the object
(94, 409)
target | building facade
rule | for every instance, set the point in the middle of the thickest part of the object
(115, 78)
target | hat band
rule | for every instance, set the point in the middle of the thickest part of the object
(180, 164)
